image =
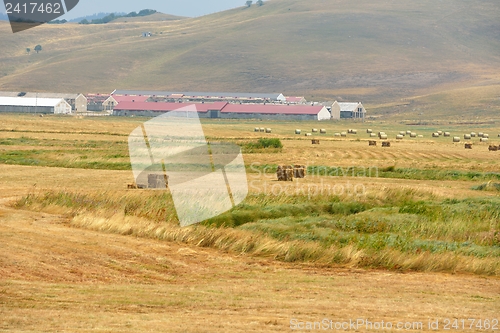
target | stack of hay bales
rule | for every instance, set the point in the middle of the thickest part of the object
(285, 173)
(382, 135)
(299, 171)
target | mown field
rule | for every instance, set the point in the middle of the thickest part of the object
(407, 233)
(424, 204)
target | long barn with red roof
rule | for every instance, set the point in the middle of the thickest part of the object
(224, 110)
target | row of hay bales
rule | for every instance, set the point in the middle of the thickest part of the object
(262, 129)
(314, 130)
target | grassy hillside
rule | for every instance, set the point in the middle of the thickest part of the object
(376, 52)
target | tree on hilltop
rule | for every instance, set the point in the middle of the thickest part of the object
(249, 3)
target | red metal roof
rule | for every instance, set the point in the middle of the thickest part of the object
(294, 99)
(139, 99)
(167, 107)
(272, 109)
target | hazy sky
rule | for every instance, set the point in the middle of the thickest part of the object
(176, 7)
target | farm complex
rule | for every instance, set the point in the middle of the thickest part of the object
(206, 104)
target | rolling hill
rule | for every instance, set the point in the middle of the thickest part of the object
(383, 53)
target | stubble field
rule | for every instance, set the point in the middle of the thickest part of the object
(407, 233)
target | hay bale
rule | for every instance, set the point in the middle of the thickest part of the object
(420, 136)
(447, 134)
(383, 137)
(403, 133)
(373, 135)
(315, 141)
(408, 132)
(285, 173)
(468, 146)
(299, 171)
(336, 134)
(372, 143)
(484, 139)
(262, 129)
(440, 133)
(467, 136)
(343, 134)
(456, 139)
(386, 144)
(399, 137)
(369, 131)
(322, 131)
(256, 129)
(308, 134)
(268, 130)
(493, 148)
(435, 135)
(314, 130)
(413, 135)
(297, 131)
(473, 134)
(486, 136)
(480, 134)
(354, 131)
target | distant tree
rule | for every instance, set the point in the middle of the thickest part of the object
(249, 3)
(38, 48)
(28, 50)
(260, 2)
(84, 21)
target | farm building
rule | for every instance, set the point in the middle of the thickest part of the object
(34, 105)
(226, 110)
(153, 109)
(348, 110)
(78, 102)
(295, 100)
(197, 97)
(272, 111)
(98, 102)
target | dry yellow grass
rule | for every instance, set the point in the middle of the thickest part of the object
(102, 271)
